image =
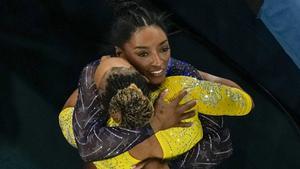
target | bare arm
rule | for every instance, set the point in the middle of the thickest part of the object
(216, 79)
(71, 100)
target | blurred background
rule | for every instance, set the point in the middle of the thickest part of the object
(45, 44)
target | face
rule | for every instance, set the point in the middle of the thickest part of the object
(148, 51)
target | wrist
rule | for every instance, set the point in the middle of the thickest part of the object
(155, 124)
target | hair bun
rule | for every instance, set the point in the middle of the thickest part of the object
(121, 7)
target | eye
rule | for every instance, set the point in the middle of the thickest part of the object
(142, 54)
(165, 49)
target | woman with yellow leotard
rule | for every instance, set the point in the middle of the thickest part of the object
(122, 92)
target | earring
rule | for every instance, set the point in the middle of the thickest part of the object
(118, 51)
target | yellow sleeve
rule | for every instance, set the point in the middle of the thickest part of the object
(65, 123)
(122, 161)
(178, 140)
(213, 98)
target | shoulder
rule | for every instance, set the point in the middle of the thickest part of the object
(208, 77)
(178, 63)
(179, 67)
(90, 68)
(71, 100)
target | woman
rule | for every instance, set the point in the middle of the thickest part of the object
(140, 37)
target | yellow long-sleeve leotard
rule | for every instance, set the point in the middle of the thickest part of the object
(213, 99)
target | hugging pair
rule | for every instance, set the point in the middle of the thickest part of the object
(124, 96)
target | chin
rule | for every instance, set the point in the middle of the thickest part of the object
(157, 80)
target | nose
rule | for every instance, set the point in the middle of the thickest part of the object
(156, 60)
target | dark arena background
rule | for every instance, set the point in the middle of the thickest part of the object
(45, 44)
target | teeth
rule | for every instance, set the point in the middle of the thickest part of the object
(157, 72)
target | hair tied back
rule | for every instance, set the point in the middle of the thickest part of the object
(121, 7)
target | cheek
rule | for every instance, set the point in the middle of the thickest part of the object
(134, 60)
(156, 80)
(166, 59)
(141, 64)
(166, 55)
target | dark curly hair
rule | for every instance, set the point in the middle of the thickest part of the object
(127, 92)
(129, 16)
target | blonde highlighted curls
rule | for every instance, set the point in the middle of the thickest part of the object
(135, 108)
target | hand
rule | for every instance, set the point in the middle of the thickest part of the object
(171, 114)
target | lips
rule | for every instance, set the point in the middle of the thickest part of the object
(157, 72)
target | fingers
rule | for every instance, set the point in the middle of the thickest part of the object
(184, 124)
(187, 115)
(185, 107)
(139, 165)
(179, 97)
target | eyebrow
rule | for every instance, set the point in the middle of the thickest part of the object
(144, 47)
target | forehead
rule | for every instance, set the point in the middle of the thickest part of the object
(109, 63)
(147, 36)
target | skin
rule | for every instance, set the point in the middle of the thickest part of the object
(148, 51)
(106, 64)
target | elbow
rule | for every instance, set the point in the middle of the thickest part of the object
(85, 157)
(88, 155)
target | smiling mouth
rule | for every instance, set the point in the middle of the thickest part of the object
(157, 73)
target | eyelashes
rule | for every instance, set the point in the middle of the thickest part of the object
(143, 54)
(146, 53)
(165, 49)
